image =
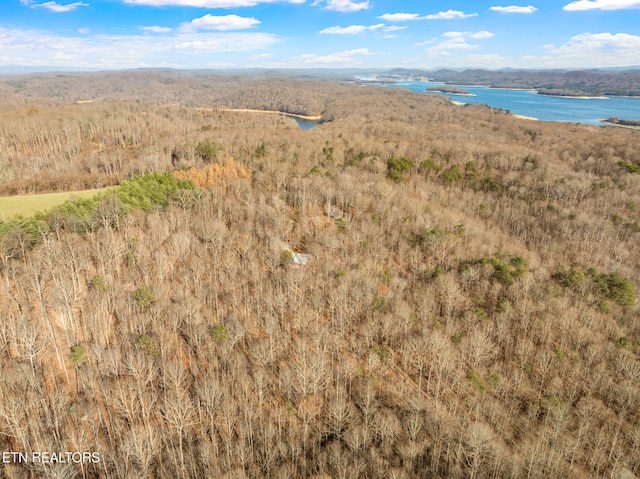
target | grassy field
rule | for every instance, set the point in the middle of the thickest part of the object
(29, 204)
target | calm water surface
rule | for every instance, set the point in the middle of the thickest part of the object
(306, 124)
(542, 107)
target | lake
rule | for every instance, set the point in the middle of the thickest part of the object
(541, 107)
(306, 124)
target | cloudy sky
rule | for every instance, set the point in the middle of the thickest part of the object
(115, 34)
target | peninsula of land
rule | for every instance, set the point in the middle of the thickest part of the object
(629, 124)
(563, 93)
(448, 89)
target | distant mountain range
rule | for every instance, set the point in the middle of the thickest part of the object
(22, 69)
(620, 81)
(414, 71)
(296, 72)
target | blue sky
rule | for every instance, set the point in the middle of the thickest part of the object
(116, 34)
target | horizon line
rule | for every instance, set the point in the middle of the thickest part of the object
(25, 69)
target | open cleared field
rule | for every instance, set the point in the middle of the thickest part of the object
(29, 204)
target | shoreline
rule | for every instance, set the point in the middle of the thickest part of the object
(443, 92)
(463, 85)
(520, 117)
(529, 89)
(272, 112)
(596, 111)
(617, 125)
(581, 97)
(533, 90)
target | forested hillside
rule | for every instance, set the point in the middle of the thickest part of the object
(468, 309)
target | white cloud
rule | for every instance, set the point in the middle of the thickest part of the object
(343, 5)
(449, 15)
(484, 60)
(400, 17)
(223, 42)
(454, 41)
(156, 29)
(222, 23)
(63, 56)
(514, 9)
(84, 31)
(431, 41)
(482, 35)
(597, 49)
(179, 50)
(351, 29)
(56, 7)
(601, 5)
(205, 3)
(394, 28)
(445, 47)
(455, 44)
(347, 56)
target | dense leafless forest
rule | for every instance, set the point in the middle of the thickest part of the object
(468, 308)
